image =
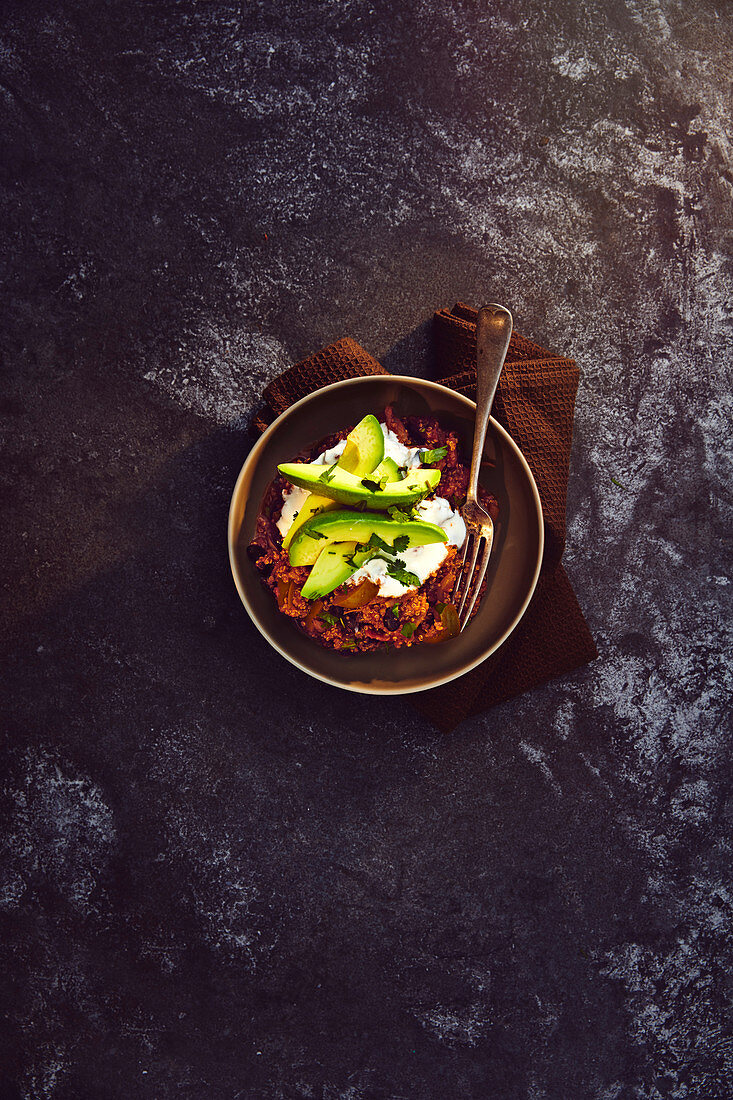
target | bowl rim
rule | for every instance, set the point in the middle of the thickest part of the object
(253, 457)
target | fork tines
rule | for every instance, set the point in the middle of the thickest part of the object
(471, 572)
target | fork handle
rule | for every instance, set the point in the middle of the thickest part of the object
(493, 331)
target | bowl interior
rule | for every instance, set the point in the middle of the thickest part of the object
(514, 564)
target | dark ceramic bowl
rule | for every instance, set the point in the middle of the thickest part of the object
(513, 568)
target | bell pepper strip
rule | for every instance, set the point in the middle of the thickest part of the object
(359, 595)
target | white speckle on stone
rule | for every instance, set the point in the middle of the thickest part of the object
(463, 1026)
(223, 881)
(574, 66)
(538, 757)
(62, 830)
(219, 373)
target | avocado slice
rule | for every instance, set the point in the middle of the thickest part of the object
(315, 535)
(387, 470)
(310, 506)
(364, 448)
(336, 563)
(363, 452)
(347, 488)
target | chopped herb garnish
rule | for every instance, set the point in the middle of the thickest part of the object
(295, 515)
(328, 618)
(613, 479)
(436, 455)
(400, 514)
(348, 645)
(397, 570)
(328, 474)
(372, 486)
(395, 609)
(375, 543)
(408, 629)
(315, 535)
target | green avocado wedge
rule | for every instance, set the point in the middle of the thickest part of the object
(364, 448)
(336, 563)
(358, 527)
(363, 452)
(387, 471)
(346, 488)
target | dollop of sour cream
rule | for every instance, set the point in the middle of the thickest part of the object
(403, 456)
(423, 561)
(293, 500)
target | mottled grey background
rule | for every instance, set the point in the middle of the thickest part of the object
(223, 880)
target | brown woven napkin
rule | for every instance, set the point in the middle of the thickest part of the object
(535, 402)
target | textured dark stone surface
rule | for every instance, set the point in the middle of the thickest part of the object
(219, 879)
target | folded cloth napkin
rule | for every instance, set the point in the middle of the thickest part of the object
(535, 402)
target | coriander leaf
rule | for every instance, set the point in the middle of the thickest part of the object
(397, 570)
(375, 543)
(372, 486)
(620, 485)
(400, 514)
(327, 618)
(395, 609)
(408, 629)
(436, 455)
(401, 543)
(328, 474)
(315, 535)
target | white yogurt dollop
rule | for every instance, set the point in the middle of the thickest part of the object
(403, 456)
(293, 500)
(423, 561)
(332, 454)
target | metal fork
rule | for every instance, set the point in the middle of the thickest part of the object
(493, 331)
